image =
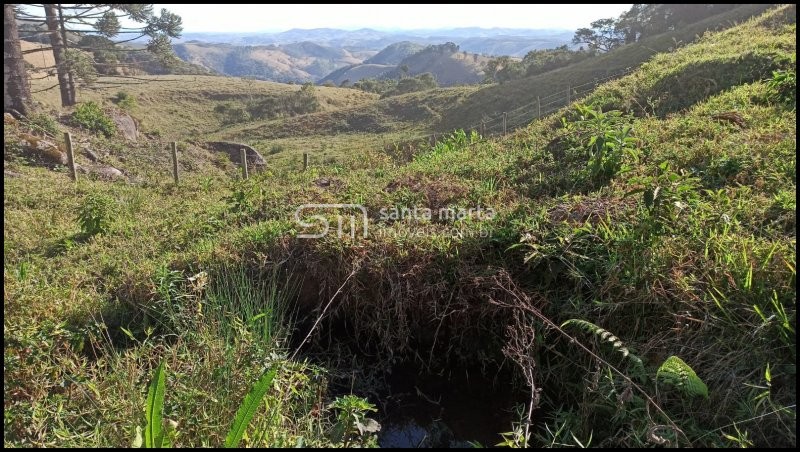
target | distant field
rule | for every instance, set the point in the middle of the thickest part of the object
(37, 59)
(182, 106)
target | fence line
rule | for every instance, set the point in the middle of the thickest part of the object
(486, 127)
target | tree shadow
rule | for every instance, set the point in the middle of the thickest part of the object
(698, 82)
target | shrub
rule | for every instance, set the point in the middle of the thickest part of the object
(291, 104)
(231, 114)
(125, 101)
(375, 85)
(412, 84)
(90, 116)
(783, 87)
(605, 138)
(95, 213)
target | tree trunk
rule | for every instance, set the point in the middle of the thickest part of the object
(16, 92)
(60, 56)
(63, 28)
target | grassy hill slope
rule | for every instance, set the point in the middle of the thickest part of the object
(491, 102)
(182, 106)
(296, 62)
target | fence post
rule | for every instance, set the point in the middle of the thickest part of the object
(538, 107)
(175, 161)
(243, 158)
(73, 173)
(569, 91)
(305, 161)
(505, 116)
(483, 128)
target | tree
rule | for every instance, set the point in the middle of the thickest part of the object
(58, 43)
(648, 19)
(16, 92)
(91, 27)
(603, 35)
(421, 82)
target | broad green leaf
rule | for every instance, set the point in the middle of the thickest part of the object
(248, 409)
(153, 434)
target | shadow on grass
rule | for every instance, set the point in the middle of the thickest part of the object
(65, 244)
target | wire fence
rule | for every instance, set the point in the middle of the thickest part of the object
(489, 128)
(512, 119)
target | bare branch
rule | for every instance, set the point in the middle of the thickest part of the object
(45, 89)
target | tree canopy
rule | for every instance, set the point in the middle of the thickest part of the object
(84, 38)
(641, 21)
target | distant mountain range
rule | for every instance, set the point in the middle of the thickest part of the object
(518, 42)
(328, 54)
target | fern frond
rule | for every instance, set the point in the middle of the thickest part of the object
(677, 373)
(606, 336)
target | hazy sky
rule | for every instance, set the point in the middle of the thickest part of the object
(250, 18)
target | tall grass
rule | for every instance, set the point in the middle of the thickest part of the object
(261, 304)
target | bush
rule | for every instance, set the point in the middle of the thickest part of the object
(783, 87)
(411, 84)
(231, 113)
(290, 104)
(90, 116)
(605, 138)
(125, 101)
(376, 86)
(94, 214)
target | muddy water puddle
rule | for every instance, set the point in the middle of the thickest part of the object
(458, 408)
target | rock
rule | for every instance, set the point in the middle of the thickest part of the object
(126, 125)
(254, 159)
(89, 154)
(81, 169)
(109, 173)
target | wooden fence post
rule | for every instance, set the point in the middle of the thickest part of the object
(305, 161)
(73, 173)
(175, 161)
(568, 94)
(243, 158)
(483, 128)
(538, 107)
(505, 116)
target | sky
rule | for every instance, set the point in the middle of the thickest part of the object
(271, 18)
